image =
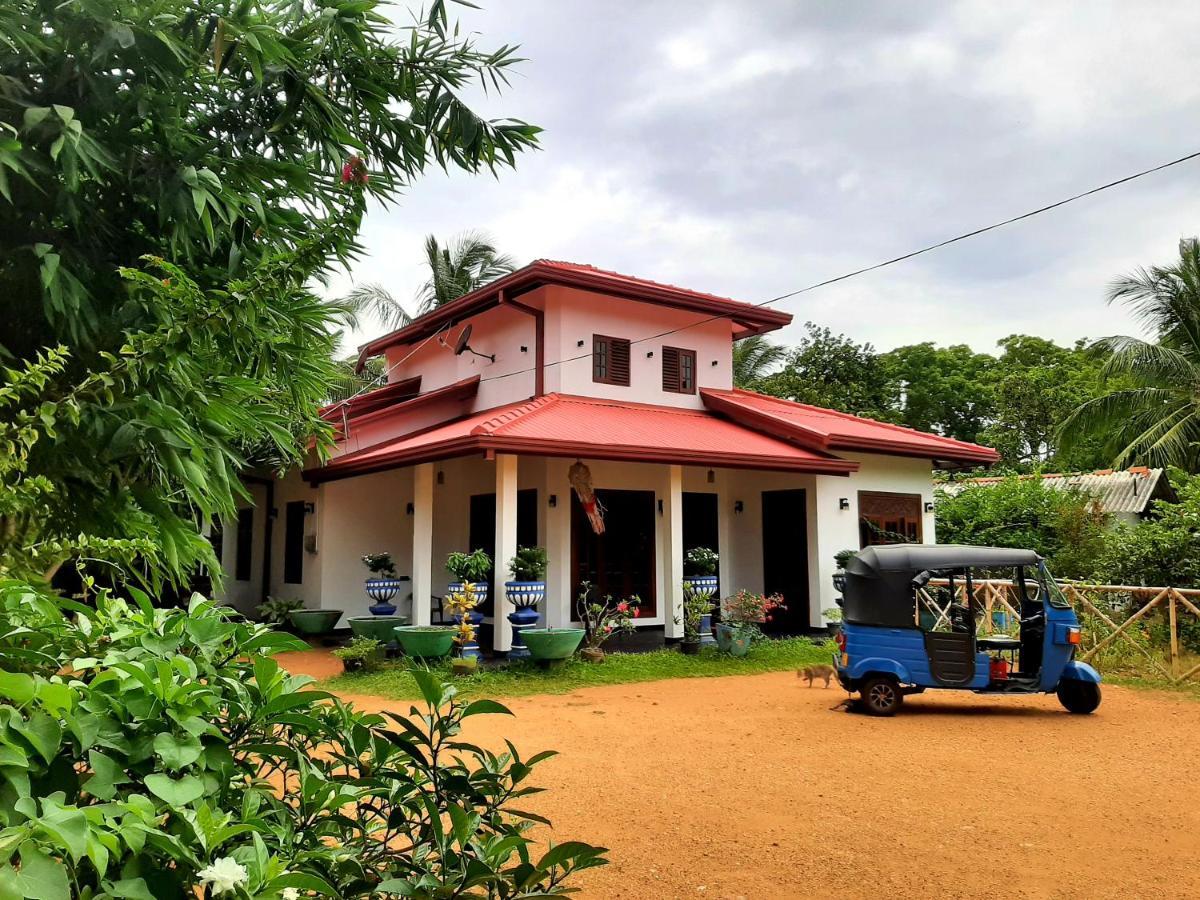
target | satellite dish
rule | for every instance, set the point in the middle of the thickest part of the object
(462, 346)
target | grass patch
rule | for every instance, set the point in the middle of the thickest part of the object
(519, 679)
(1153, 683)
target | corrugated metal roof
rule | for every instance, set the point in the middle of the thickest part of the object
(1120, 491)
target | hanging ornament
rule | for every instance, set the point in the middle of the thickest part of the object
(580, 477)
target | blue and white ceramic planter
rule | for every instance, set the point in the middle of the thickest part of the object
(525, 593)
(522, 618)
(705, 586)
(382, 590)
(481, 590)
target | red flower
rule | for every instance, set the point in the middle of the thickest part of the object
(622, 606)
(634, 612)
(354, 170)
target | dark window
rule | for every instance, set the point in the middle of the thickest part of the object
(245, 544)
(610, 360)
(679, 370)
(481, 528)
(886, 518)
(293, 543)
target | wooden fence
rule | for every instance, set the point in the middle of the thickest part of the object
(1108, 612)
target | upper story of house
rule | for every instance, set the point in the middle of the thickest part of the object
(555, 327)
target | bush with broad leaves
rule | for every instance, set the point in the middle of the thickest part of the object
(162, 753)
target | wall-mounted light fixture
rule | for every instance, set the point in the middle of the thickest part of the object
(441, 477)
(844, 503)
(649, 353)
(928, 506)
(553, 500)
(712, 477)
(716, 362)
(660, 506)
(410, 509)
(524, 349)
(738, 506)
(579, 343)
(310, 508)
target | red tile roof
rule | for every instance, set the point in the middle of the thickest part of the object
(747, 318)
(828, 430)
(565, 425)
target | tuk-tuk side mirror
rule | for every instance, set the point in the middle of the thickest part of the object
(922, 579)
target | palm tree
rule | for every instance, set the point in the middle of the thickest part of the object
(469, 261)
(1155, 416)
(753, 359)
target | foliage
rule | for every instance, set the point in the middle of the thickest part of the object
(520, 679)
(462, 603)
(144, 747)
(696, 605)
(380, 564)
(1067, 527)
(602, 618)
(830, 370)
(1161, 550)
(361, 654)
(745, 611)
(844, 556)
(700, 561)
(210, 135)
(947, 390)
(473, 567)
(1155, 416)
(468, 262)
(277, 610)
(754, 358)
(529, 564)
(833, 614)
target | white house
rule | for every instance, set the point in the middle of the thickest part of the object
(492, 398)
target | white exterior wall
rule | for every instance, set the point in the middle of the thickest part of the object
(244, 595)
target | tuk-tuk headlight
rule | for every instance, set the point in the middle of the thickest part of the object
(1074, 635)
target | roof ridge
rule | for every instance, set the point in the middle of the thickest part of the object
(845, 415)
(507, 415)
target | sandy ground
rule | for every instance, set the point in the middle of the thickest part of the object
(760, 787)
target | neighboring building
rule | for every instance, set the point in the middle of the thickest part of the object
(1123, 494)
(563, 364)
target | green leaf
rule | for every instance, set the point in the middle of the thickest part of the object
(43, 733)
(68, 825)
(17, 687)
(430, 686)
(35, 115)
(175, 792)
(64, 112)
(106, 774)
(486, 707)
(40, 877)
(177, 752)
(124, 35)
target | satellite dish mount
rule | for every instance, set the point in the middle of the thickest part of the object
(462, 346)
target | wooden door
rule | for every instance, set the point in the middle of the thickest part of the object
(785, 557)
(619, 562)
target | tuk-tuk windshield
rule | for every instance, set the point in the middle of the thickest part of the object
(1054, 593)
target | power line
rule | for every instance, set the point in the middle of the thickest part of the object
(880, 265)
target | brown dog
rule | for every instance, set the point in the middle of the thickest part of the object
(814, 672)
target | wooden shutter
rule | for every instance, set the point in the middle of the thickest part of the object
(610, 360)
(679, 370)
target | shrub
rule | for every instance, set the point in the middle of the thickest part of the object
(147, 752)
(362, 654)
(380, 564)
(696, 605)
(473, 566)
(277, 610)
(602, 618)
(529, 564)
(746, 611)
(700, 561)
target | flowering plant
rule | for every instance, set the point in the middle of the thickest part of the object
(380, 564)
(700, 561)
(461, 603)
(604, 618)
(696, 605)
(746, 610)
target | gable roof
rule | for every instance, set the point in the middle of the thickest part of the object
(1120, 491)
(747, 318)
(567, 425)
(828, 430)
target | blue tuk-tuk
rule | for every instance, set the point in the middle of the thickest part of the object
(911, 621)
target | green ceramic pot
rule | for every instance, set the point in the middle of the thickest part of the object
(426, 641)
(731, 641)
(552, 643)
(314, 621)
(381, 628)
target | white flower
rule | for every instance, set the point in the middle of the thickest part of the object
(223, 875)
(290, 894)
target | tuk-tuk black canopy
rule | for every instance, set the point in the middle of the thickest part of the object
(878, 586)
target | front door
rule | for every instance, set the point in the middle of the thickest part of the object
(785, 558)
(619, 562)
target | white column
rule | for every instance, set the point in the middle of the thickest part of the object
(725, 565)
(559, 602)
(506, 546)
(672, 525)
(837, 530)
(422, 555)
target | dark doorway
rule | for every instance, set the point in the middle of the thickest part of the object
(785, 558)
(481, 529)
(619, 562)
(699, 521)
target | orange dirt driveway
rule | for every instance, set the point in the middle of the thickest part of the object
(760, 787)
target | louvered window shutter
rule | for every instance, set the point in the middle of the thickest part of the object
(619, 361)
(679, 370)
(670, 375)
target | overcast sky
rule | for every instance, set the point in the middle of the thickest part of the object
(749, 149)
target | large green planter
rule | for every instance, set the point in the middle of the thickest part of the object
(314, 621)
(731, 641)
(426, 641)
(381, 628)
(551, 644)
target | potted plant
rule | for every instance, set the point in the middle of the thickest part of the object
(700, 577)
(525, 592)
(462, 605)
(697, 607)
(426, 641)
(602, 619)
(383, 584)
(833, 616)
(314, 622)
(741, 616)
(552, 645)
(381, 628)
(362, 654)
(473, 567)
(277, 611)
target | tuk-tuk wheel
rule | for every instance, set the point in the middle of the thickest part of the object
(1078, 696)
(881, 695)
